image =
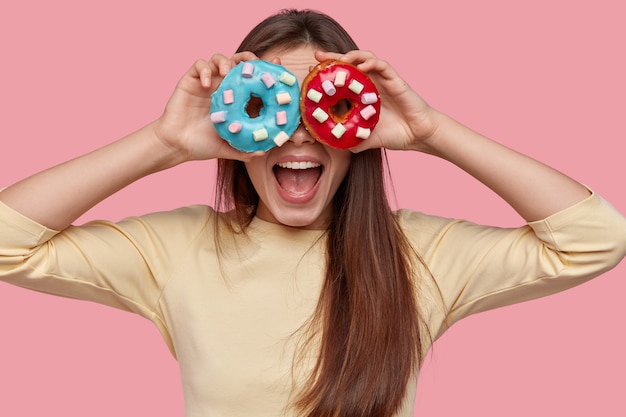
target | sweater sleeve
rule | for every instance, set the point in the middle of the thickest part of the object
(477, 268)
(123, 265)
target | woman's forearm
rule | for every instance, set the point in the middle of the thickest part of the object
(59, 195)
(532, 188)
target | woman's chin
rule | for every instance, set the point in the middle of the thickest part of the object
(304, 218)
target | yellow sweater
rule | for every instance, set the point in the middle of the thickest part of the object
(230, 321)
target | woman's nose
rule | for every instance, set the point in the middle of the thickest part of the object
(301, 136)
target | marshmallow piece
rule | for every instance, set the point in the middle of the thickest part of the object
(338, 130)
(320, 115)
(329, 88)
(281, 118)
(356, 87)
(228, 96)
(247, 70)
(287, 78)
(368, 112)
(218, 117)
(314, 95)
(363, 133)
(283, 98)
(281, 138)
(340, 78)
(259, 135)
(235, 127)
(369, 98)
(267, 79)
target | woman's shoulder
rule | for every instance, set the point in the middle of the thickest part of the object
(181, 223)
(412, 222)
(193, 215)
(190, 213)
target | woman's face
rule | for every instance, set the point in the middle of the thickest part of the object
(297, 181)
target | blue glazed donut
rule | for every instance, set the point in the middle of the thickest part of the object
(256, 107)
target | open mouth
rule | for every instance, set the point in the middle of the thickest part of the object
(298, 178)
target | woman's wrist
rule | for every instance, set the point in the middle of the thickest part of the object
(165, 154)
(435, 126)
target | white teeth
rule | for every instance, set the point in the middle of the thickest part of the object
(298, 165)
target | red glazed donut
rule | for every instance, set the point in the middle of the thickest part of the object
(339, 104)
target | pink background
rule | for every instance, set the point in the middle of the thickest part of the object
(544, 77)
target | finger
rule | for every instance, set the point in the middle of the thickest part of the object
(322, 56)
(202, 71)
(354, 57)
(217, 60)
(247, 156)
(379, 66)
(219, 65)
(243, 56)
(226, 151)
(258, 153)
(366, 61)
(358, 55)
(363, 146)
(199, 71)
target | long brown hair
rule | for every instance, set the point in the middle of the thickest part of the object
(367, 315)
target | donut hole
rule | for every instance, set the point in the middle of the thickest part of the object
(254, 106)
(341, 109)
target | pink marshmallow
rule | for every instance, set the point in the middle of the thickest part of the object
(281, 118)
(247, 70)
(229, 97)
(234, 127)
(368, 112)
(267, 79)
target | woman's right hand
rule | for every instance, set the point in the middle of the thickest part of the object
(57, 196)
(185, 125)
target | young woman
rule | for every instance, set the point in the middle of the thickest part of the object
(302, 293)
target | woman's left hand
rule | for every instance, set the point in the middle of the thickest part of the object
(406, 120)
(532, 188)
